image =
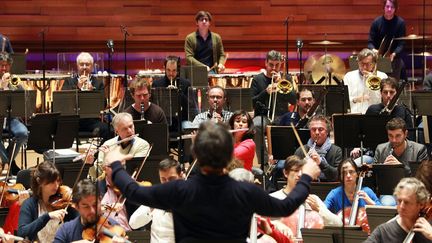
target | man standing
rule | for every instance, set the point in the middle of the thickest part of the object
(399, 150)
(203, 47)
(142, 108)
(19, 130)
(361, 95)
(216, 98)
(382, 33)
(319, 147)
(412, 196)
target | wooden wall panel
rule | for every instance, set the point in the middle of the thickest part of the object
(157, 25)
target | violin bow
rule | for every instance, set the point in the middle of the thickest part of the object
(7, 174)
(299, 140)
(190, 169)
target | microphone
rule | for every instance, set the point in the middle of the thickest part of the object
(299, 44)
(110, 45)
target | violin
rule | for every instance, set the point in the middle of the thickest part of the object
(103, 231)
(11, 192)
(62, 199)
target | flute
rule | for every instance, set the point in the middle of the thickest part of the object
(189, 136)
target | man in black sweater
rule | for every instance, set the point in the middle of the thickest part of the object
(211, 205)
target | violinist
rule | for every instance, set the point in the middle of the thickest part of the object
(349, 174)
(162, 226)
(211, 205)
(320, 149)
(389, 87)
(412, 196)
(399, 150)
(39, 219)
(85, 200)
(244, 146)
(305, 100)
(124, 128)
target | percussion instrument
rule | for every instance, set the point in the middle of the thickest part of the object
(328, 66)
(326, 43)
(236, 80)
(412, 37)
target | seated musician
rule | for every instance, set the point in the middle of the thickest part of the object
(424, 173)
(399, 150)
(349, 174)
(124, 128)
(162, 226)
(244, 146)
(293, 171)
(412, 196)
(321, 150)
(39, 218)
(211, 194)
(388, 88)
(305, 100)
(171, 77)
(18, 130)
(216, 97)
(85, 81)
(360, 94)
(142, 108)
(85, 200)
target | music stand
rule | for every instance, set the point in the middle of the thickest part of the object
(19, 65)
(168, 100)
(379, 214)
(156, 134)
(86, 104)
(422, 103)
(387, 177)
(336, 94)
(69, 171)
(282, 142)
(317, 235)
(238, 99)
(198, 75)
(370, 130)
(150, 171)
(322, 189)
(20, 103)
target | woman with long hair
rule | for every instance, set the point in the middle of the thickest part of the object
(244, 146)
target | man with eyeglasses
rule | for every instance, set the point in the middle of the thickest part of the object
(360, 96)
(142, 108)
(203, 47)
(382, 32)
(216, 98)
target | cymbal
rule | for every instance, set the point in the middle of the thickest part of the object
(326, 64)
(426, 54)
(309, 64)
(412, 37)
(325, 43)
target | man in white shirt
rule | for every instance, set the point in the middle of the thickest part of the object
(360, 95)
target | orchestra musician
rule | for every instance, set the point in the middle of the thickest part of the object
(216, 98)
(86, 202)
(172, 80)
(349, 174)
(305, 100)
(124, 128)
(388, 89)
(140, 90)
(211, 205)
(360, 95)
(427, 82)
(18, 130)
(85, 81)
(399, 150)
(39, 218)
(412, 196)
(382, 32)
(244, 146)
(5, 44)
(320, 148)
(162, 226)
(203, 47)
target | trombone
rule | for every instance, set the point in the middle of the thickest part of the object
(372, 81)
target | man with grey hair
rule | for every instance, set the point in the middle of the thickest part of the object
(124, 128)
(412, 196)
(360, 95)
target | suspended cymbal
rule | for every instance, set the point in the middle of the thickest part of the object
(412, 37)
(325, 43)
(328, 64)
(308, 66)
(426, 54)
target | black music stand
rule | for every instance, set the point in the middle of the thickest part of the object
(422, 103)
(156, 134)
(198, 75)
(282, 142)
(20, 103)
(150, 171)
(379, 214)
(70, 170)
(322, 189)
(387, 177)
(86, 104)
(317, 235)
(238, 99)
(168, 100)
(331, 102)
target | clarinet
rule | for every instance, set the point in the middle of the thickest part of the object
(142, 112)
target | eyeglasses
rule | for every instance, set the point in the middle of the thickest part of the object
(202, 19)
(366, 64)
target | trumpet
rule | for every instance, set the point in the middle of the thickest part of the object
(10, 81)
(86, 84)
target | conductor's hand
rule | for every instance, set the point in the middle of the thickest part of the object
(113, 154)
(311, 168)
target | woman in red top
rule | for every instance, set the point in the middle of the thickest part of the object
(244, 147)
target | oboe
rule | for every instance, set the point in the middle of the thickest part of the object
(142, 111)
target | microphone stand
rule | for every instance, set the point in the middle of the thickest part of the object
(299, 44)
(110, 45)
(125, 82)
(45, 85)
(286, 45)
